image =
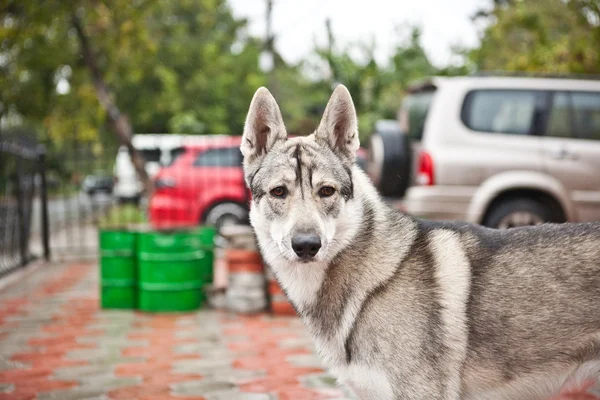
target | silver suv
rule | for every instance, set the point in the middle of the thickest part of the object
(498, 151)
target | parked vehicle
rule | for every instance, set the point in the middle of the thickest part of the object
(498, 151)
(99, 183)
(155, 150)
(204, 184)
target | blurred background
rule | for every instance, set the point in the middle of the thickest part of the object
(119, 112)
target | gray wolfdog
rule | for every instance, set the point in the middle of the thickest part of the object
(404, 308)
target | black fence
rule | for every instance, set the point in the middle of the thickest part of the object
(196, 179)
(80, 184)
(53, 199)
(22, 198)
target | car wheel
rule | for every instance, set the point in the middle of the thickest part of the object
(226, 214)
(519, 212)
(388, 163)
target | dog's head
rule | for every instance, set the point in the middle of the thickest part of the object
(303, 207)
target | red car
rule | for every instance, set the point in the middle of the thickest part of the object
(204, 184)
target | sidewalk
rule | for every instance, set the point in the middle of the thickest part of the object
(55, 343)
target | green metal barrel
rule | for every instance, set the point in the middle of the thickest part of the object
(118, 278)
(173, 268)
(207, 238)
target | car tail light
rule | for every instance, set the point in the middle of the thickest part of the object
(425, 174)
(162, 183)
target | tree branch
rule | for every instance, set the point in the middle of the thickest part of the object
(119, 122)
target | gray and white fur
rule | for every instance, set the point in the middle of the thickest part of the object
(404, 308)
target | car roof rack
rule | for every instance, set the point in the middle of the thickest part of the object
(524, 74)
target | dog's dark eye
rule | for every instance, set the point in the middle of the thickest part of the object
(279, 191)
(326, 191)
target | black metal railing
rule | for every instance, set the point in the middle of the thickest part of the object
(80, 196)
(92, 184)
(22, 188)
(54, 199)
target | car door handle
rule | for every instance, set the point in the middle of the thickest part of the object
(563, 154)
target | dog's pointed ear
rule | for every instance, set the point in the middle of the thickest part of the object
(263, 127)
(339, 126)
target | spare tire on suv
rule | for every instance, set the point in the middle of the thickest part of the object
(389, 162)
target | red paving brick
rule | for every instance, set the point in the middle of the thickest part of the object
(165, 379)
(46, 353)
(157, 358)
(19, 395)
(146, 392)
(282, 378)
(11, 308)
(142, 368)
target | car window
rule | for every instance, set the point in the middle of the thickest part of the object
(173, 155)
(413, 113)
(586, 111)
(500, 111)
(150, 155)
(575, 115)
(560, 122)
(223, 157)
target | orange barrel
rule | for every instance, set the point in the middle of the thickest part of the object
(246, 292)
(280, 305)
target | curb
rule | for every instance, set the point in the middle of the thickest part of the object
(17, 275)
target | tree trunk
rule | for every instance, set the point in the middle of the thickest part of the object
(119, 121)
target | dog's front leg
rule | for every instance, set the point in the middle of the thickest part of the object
(374, 385)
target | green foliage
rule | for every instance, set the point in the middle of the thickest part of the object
(123, 215)
(169, 65)
(188, 66)
(187, 123)
(302, 101)
(195, 82)
(377, 90)
(37, 53)
(410, 61)
(555, 36)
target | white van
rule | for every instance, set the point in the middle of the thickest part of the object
(156, 149)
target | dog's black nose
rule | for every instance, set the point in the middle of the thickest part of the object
(306, 245)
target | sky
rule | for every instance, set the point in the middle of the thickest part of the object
(299, 24)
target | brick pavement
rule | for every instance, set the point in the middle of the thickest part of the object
(55, 343)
